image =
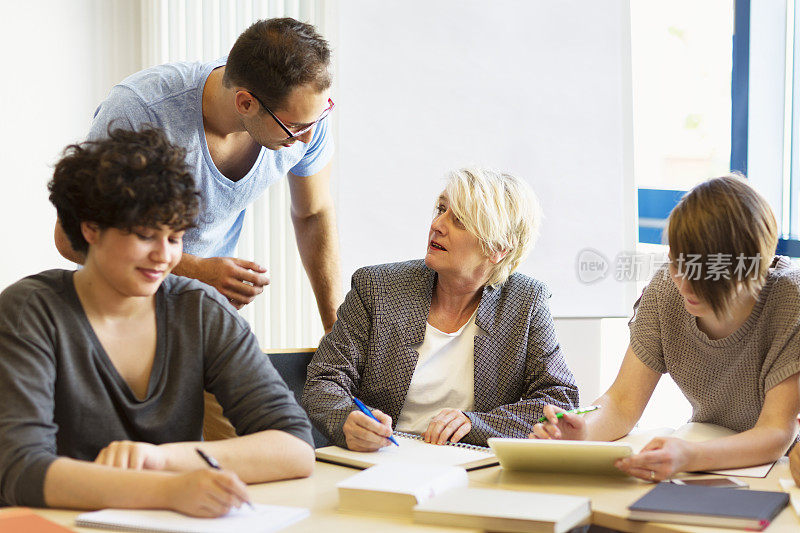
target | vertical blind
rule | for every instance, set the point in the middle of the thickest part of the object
(285, 315)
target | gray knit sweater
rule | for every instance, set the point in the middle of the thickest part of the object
(725, 380)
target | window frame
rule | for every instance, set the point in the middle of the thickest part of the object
(764, 113)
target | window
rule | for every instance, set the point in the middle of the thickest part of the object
(767, 110)
(681, 67)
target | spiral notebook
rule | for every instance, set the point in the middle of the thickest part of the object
(412, 449)
(260, 519)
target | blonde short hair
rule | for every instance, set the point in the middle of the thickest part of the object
(501, 210)
(723, 218)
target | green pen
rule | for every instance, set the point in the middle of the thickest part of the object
(578, 411)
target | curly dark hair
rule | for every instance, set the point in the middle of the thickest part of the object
(131, 178)
(273, 56)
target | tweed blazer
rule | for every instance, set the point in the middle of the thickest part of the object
(519, 366)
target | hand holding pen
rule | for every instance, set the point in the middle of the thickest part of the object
(367, 430)
(210, 461)
(577, 411)
(563, 425)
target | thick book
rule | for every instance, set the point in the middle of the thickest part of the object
(709, 506)
(260, 519)
(505, 510)
(395, 488)
(412, 449)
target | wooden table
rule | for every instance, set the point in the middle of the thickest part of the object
(610, 498)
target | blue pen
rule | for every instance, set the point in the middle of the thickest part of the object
(364, 409)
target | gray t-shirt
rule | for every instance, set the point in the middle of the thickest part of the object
(725, 380)
(60, 394)
(171, 97)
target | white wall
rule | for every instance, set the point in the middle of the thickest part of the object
(594, 348)
(60, 60)
(541, 89)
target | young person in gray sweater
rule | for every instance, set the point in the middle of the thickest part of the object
(102, 370)
(723, 319)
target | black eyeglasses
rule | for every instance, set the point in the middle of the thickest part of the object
(304, 129)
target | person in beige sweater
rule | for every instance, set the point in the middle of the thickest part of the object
(723, 319)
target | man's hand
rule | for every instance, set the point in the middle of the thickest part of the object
(64, 247)
(449, 424)
(239, 280)
(363, 434)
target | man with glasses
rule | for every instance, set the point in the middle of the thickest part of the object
(246, 121)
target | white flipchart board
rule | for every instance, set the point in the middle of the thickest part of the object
(539, 88)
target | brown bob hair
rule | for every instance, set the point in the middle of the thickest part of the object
(728, 232)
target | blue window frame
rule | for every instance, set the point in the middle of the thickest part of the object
(655, 204)
(788, 243)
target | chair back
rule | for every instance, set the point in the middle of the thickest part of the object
(292, 365)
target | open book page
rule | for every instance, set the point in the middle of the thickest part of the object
(638, 439)
(699, 432)
(696, 432)
(419, 480)
(410, 451)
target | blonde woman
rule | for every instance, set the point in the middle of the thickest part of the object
(454, 347)
(723, 321)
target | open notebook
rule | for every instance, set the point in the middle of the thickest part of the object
(412, 449)
(260, 519)
(696, 432)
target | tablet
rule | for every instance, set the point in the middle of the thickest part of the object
(568, 456)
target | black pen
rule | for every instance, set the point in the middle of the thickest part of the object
(210, 461)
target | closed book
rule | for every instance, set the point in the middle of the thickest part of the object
(394, 489)
(25, 521)
(505, 510)
(709, 506)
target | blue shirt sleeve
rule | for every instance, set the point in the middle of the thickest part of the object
(319, 152)
(124, 109)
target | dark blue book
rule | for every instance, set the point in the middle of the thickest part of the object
(709, 506)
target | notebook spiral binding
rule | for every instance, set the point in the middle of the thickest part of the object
(448, 443)
(115, 527)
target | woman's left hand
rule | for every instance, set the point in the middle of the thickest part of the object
(449, 424)
(659, 460)
(130, 455)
